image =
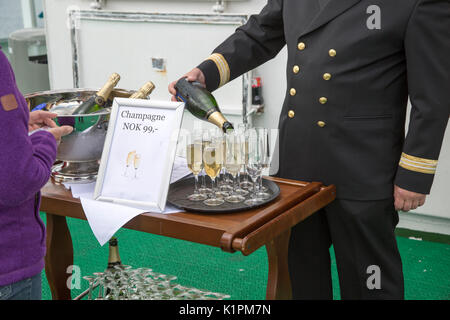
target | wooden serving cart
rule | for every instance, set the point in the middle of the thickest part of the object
(246, 231)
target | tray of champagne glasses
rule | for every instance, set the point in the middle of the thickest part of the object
(228, 200)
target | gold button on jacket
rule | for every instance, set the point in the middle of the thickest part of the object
(301, 46)
(293, 92)
(332, 53)
(291, 113)
(323, 100)
(321, 124)
(296, 69)
(326, 76)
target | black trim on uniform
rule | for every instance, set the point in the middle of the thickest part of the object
(414, 181)
(211, 73)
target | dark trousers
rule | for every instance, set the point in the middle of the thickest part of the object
(367, 257)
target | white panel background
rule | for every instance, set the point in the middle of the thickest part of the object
(129, 50)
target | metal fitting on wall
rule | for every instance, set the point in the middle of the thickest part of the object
(97, 4)
(219, 7)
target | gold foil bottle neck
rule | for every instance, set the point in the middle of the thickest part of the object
(144, 91)
(105, 91)
(114, 257)
(217, 118)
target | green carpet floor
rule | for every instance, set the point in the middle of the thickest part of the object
(425, 264)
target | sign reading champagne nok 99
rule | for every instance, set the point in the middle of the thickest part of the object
(139, 152)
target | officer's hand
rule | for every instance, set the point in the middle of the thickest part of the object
(40, 119)
(194, 75)
(59, 132)
(405, 200)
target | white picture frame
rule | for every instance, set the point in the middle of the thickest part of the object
(143, 135)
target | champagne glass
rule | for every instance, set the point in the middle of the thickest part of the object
(136, 163)
(227, 183)
(263, 133)
(223, 186)
(177, 290)
(91, 280)
(100, 277)
(123, 274)
(221, 178)
(110, 285)
(255, 154)
(212, 161)
(233, 163)
(243, 149)
(243, 129)
(194, 157)
(222, 189)
(206, 140)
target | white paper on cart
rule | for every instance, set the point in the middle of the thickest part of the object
(106, 218)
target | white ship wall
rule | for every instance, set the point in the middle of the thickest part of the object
(432, 217)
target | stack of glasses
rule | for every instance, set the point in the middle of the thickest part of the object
(125, 283)
(223, 157)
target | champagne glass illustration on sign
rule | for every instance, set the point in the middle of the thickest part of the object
(136, 163)
(130, 158)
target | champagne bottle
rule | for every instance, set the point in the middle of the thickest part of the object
(113, 260)
(114, 257)
(201, 103)
(144, 91)
(98, 100)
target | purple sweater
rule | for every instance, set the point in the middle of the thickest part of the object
(25, 164)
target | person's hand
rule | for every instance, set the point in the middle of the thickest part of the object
(39, 119)
(194, 75)
(405, 200)
(59, 132)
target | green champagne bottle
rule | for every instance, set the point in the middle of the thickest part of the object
(98, 100)
(114, 257)
(113, 261)
(201, 103)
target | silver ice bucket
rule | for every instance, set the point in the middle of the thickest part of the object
(79, 153)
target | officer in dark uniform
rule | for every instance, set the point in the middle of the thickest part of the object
(351, 66)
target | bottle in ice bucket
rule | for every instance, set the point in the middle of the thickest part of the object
(144, 91)
(98, 100)
(201, 103)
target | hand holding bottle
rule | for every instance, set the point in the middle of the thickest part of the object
(195, 75)
(201, 103)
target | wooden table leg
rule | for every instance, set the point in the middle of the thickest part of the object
(59, 256)
(279, 282)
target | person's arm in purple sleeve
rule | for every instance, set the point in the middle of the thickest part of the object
(25, 161)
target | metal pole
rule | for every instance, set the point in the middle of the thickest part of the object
(29, 13)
